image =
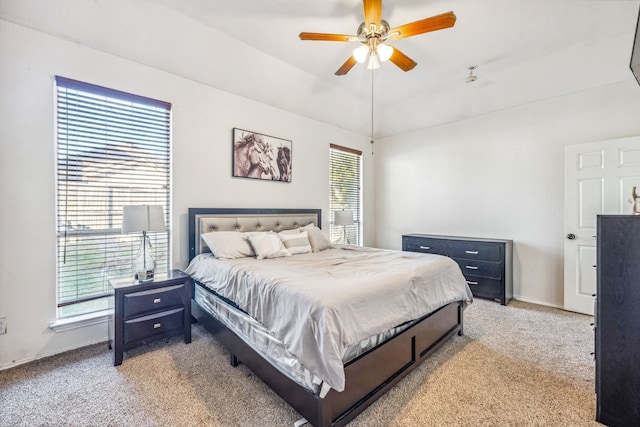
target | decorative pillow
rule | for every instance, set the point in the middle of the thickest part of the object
(297, 243)
(319, 241)
(290, 231)
(267, 245)
(228, 244)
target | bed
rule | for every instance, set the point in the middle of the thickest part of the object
(333, 365)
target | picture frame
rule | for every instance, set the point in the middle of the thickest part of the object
(259, 156)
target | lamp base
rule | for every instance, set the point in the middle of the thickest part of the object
(345, 239)
(143, 264)
(144, 276)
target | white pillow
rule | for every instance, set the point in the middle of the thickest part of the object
(228, 244)
(290, 231)
(319, 241)
(297, 243)
(267, 245)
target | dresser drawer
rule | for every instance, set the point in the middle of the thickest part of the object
(475, 250)
(483, 287)
(425, 245)
(490, 270)
(148, 327)
(136, 303)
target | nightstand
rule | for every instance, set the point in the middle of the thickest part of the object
(149, 311)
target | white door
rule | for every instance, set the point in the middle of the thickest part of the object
(599, 178)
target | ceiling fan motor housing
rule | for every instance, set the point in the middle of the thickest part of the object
(381, 33)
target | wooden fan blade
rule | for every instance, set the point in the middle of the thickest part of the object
(401, 60)
(372, 12)
(327, 37)
(348, 65)
(426, 25)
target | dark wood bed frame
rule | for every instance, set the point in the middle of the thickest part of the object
(367, 377)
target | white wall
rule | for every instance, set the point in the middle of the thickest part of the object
(499, 175)
(203, 118)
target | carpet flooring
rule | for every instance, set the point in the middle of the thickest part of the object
(519, 365)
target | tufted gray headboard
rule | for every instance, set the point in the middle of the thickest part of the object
(204, 220)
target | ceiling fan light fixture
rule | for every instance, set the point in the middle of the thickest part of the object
(384, 52)
(360, 53)
(374, 62)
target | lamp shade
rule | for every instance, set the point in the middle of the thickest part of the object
(384, 52)
(360, 54)
(143, 218)
(343, 218)
(374, 61)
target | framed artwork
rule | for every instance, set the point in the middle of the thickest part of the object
(261, 156)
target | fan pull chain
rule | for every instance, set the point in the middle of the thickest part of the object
(372, 111)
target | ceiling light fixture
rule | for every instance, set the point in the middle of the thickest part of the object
(374, 62)
(472, 77)
(374, 32)
(373, 47)
(381, 54)
(360, 54)
(384, 52)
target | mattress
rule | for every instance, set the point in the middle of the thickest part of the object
(319, 305)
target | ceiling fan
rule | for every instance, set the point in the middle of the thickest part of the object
(373, 34)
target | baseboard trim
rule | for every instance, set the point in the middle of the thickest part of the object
(45, 355)
(537, 302)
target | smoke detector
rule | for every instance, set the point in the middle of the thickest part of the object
(472, 77)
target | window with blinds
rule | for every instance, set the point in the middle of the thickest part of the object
(112, 151)
(345, 192)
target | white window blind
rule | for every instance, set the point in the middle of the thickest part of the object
(345, 191)
(113, 150)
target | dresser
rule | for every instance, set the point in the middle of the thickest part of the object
(617, 320)
(485, 263)
(149, 311)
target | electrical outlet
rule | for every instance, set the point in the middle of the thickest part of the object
(3, 325)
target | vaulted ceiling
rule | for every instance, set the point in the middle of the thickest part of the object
(525, 51)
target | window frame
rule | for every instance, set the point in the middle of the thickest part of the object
(110, 145)
(354, 196)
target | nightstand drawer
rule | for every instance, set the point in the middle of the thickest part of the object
(428, 246)
(147, 327)
(475, 250)
(153, 300)
(484, 287)
(490, 270)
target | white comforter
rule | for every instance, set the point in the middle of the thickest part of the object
(318, 304)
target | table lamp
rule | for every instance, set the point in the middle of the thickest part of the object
(343, 218)
(143, 218)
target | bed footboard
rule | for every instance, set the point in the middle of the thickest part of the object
(368, 377)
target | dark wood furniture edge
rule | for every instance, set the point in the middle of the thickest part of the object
(617, 349)
(117, 320)
(336, 409)
(320, 412)
(507, 295)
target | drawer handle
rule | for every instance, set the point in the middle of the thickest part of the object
(157, 300)
(425, 247)
(471, 267)
(471, 252)
(469, 282)
(156, 325)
